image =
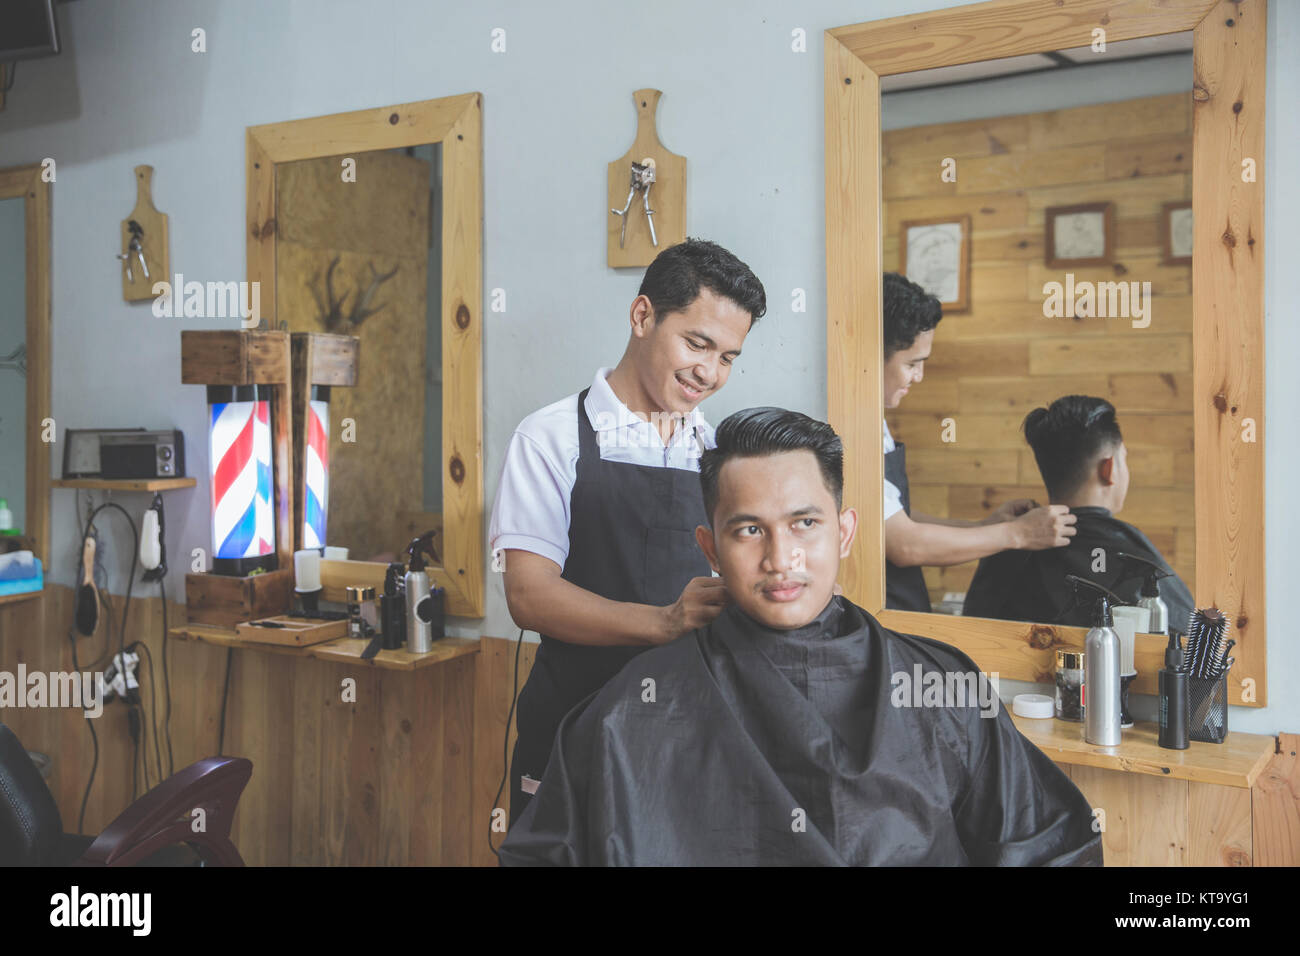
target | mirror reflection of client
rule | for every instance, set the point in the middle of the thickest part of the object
(1084, 464)
(793, 729)
(914, 539)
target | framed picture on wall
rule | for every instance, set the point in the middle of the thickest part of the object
(1080, 235)
(1176, 233)
(935, 254)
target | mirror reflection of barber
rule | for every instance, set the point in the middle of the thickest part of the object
(599, 497)
(914, 539)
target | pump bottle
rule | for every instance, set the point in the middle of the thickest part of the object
(1101, 665)
(1150, 596)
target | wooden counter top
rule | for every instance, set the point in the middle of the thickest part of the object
(1237, 762)
(344, 650)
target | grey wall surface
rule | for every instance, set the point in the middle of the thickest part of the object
(739, 103)
(13, 384)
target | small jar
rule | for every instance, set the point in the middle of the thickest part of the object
(1069, 685)
(363, 615)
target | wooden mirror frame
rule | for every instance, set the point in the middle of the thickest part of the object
(1227, 281)
(457, 123)
(25, 182)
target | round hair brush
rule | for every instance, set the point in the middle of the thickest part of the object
(87, 596)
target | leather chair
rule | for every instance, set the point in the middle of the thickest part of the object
(156, 830)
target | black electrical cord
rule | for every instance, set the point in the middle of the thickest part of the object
(167, 685)
(94, 738)
(153, 707)
(225, 695)
(12, 69)
(505, 744)
(126, 608)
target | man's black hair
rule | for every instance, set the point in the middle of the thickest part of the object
(909, 311)
(674, 279)
(1068, 437)
(755, 432)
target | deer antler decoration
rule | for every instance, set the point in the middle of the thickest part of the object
(360, 309)
(331, 308)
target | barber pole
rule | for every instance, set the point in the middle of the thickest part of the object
(243, 527)
(315, 510)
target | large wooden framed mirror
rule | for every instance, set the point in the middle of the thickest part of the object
(1193, 399)
(370, 223)
(25, 356)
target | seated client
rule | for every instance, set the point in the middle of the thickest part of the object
(794, 729)
(1084, 464)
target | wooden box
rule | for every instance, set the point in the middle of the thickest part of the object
(293, 631)
(234, 357)
(227, 601)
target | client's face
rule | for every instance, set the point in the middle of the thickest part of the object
(777, 538)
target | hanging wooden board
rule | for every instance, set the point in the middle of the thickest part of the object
(153, 238)
(667, 194)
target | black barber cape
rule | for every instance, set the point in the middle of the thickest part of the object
(1031, 585)
(755, 746)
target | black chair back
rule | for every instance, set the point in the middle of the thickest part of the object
(31, 831)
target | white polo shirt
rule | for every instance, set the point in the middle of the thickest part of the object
(531, 512)
(893, 497)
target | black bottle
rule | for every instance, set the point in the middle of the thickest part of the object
(1172, 700)
(392, 608)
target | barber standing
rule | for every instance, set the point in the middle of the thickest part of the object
(599, 496)
(914, 539)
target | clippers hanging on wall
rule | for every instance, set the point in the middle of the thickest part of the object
(144, 243)
(645, 164)
(643, 177)
(153, 550)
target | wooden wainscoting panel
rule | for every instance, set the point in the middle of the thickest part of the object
(1146, 817)
(1275, 802)
(493, 686)
(1218, 825)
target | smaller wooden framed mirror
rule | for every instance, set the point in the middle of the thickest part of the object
(370, 224)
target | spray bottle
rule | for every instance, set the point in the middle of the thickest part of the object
(1173, 700)
(1100, 696)
(1150, 598)
(419, 609)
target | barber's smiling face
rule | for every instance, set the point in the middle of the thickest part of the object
(906, 368)
(777, 537)
(690, 352)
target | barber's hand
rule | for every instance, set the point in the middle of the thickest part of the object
(1011, 510)
(1051, 526)
(702, 600)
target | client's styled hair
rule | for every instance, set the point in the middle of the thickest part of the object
(755, 432)
(1068, 437)
(909, 311)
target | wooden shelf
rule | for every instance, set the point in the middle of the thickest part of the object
(24, 596)
(125, 484)
(345, 650)
(1237, 762)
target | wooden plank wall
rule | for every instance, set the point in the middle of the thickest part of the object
(384, 780)
(995, 363)
(408, 775)
(493, 696)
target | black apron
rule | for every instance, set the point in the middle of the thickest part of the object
(904, 587)
(631, 538)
